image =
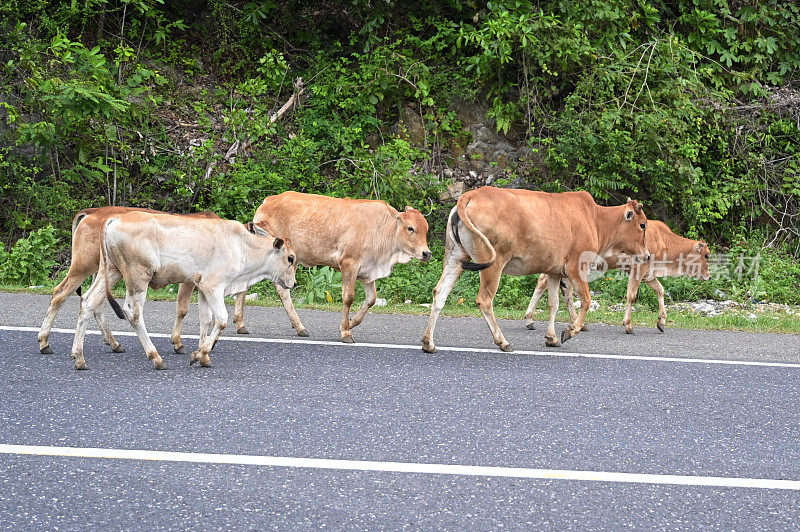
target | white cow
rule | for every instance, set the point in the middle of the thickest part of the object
(219, 256)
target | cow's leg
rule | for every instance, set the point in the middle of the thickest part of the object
(133, 309)
(550, 338)
(490, 280)
(450, 274)
(630, 299)
(569, 300)
(371, 295)
(182, 307)
(541, 284)
(586, 300)
(658, 288)
(205, 316)
(105, 330)
(288, 306)
(60, 294)
(213, 304)
(91, 304)
(348, 295)
(238, 313)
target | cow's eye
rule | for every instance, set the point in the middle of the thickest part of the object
(291, 259)
(643, 226)
(410, 229)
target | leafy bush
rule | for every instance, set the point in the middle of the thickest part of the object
(30, 261)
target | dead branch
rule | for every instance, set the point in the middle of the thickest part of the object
(240, 145)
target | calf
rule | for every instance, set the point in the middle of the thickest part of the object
(218, 256)
(522, 232)
(87, 227)
(363, 239)
(670, 256)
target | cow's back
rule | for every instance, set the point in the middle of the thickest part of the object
(537, 230)
(327, 230)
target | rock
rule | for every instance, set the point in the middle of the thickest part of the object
(413, 125)
(407, 301)
(751, 316)
(448, 173)
(703, 307)
(251, 297)
(454, 191)
(594, 305)
(380, 302)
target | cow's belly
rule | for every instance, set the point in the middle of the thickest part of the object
(531, 265)
(518, 266)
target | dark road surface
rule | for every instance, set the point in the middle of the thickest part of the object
(651, 416)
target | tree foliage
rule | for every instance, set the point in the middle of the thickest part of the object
(692, 106)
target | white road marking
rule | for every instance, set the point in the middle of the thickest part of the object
(400, 467)
(445, 349)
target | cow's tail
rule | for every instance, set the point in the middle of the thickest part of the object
(460, 216)
(75, 221)
(104, 263)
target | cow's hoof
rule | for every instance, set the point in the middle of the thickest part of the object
(348, 339)
(46, 350)
(428, 347)
(506, 348)
(118, 349)
(565, 335)
(193, 358)
(303, 333)
(81, 366)
(584, 328)
(180, 349)
(242, 330)
(161, 365)
(629, 329)
(660, 326)
(552, 342)
(530, 326)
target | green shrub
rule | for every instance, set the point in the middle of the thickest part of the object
(30, 261)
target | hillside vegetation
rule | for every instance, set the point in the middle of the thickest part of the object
(690, 106)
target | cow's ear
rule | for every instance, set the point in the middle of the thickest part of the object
(250, 227)
(409, 208)
(278, 244)
(629, 214)
(699, 246)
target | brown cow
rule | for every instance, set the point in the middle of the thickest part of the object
(521, 232)
(86, 234)
(363, 239)
(218, 256)
(670, 256)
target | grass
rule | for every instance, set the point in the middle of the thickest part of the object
(733, 319)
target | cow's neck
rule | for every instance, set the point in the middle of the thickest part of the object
(673, 251)
(607, 223)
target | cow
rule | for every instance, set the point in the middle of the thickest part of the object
(218, 256)
(86, 234)
(363, 239)
(670, 256)
(522, 232)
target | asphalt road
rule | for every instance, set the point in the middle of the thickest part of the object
(662, 412)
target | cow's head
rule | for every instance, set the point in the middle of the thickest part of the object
(285, 259)
(697, 261)
(630, 237)
(412, 234)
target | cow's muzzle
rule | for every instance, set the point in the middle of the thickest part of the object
(426, 256)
